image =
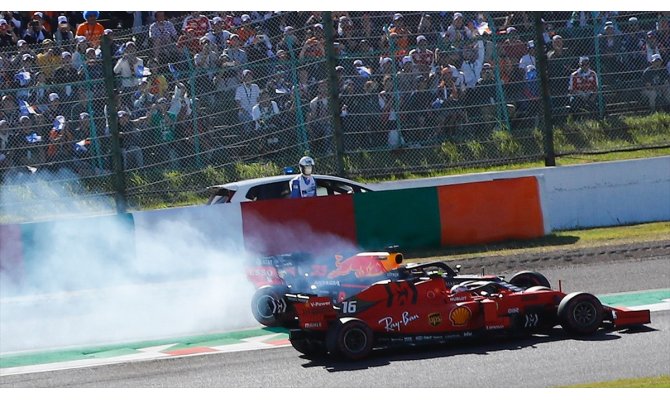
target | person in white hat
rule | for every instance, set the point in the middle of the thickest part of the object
(656, 79)
(7, 35)
(64, 32)
(458, 31)
(583, 87)
(422, 58)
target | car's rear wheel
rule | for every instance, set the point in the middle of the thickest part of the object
(269, 306)
(349, 338)
(580, 313)
(526, 279)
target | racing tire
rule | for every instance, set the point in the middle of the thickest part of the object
(580, 313)
(537, 289)
(270, 308)
(527, 279)
(349, 338)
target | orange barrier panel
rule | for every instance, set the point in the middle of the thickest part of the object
(485, 212)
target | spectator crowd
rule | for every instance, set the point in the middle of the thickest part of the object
(255, 83)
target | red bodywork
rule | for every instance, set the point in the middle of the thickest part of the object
(428, 307)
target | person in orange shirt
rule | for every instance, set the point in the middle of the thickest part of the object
(91, 29)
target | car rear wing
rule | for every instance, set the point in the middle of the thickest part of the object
(314, 312)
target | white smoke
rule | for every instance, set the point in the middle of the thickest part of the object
(92, 281)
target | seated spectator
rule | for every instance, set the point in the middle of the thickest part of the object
(513, 47)
(319, 121)
(23, 49)
(198, 22)
(610, 53)
(7, 35)
(157, 81)
(402, 35)
(656, 79)
(428, 31)
(346, 35)
(421, 57)
(415, 112)
(35, 33)
(246, 31)
(79, 53)
(92, 30)
(162, 37)
(129, 68)
(651, 45)
(9, 109)
(59, 142)
(448, 105)
(458, 33)
(163, 117)
(236, 54)
(49, 59)
(218, 36)
(558, 69)
(473, 60)
(583, 88)
(528, 58)
(65, 75)
(63, 35)
(130, 136)
(265, 115)
(31, 151)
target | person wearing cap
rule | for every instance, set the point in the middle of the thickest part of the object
(246, 96)
(427, 30)
(218, 36)
(63, 34)
(473, 60)
(7, 35)
(91, 29)
(35, 32)
(415, 118)
(458, 31)
(582, 88)
(129, 68)
(288, 36)
(163, 116)
(512, 47)
(162, 37)
(485, 94)
(190, 40)
(200, 23)
(401, 35)
(528, 58)
(49, 59)
(633, 46)
(234, 52)
(652, 46)
(656, 80)
(421, 57)
(65, 75)
(246, 31)
(345, 34)
(130, 137)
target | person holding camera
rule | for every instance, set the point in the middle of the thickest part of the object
(7, 35)
(36, 33)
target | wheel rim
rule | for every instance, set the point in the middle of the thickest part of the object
(584, 314)
(355, 340)
(266, 306)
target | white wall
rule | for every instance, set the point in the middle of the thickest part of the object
(584, 196)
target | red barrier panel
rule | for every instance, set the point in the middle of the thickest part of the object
(486, 212)
(290, 225)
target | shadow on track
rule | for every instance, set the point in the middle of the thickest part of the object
(480, 346)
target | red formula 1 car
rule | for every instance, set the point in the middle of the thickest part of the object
(340, 277)
(421, 307)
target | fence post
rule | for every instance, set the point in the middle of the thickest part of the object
(503, 115)
(334, 97)
(194, 108)
(119, 177)
(547, 126)
(599, 69)
(396, 89)
(300, 119)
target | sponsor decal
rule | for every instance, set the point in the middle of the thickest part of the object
(492, 327)
(531, 320)
(327, 283)
(394, 326)
(434, 319)
(311, 325)
(463, 298)
(514, 310)
(460, 316)
(317, 304)
(467, 334)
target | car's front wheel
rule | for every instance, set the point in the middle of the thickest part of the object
(269, 306)
(580, 313)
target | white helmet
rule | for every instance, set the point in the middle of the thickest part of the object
(306, 165)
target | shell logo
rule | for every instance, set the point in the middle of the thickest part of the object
(460, 316)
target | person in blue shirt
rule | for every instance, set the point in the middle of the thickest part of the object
(304, 185)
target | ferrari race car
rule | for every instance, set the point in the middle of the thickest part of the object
(420, 307)
(301, 273)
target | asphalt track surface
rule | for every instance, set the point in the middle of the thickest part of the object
(538, 361)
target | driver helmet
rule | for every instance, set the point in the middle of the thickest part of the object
(306, 165)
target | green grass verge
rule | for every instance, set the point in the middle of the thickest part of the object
(662, 381)
(561, 240)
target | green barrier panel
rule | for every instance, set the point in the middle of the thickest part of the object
(409, 218)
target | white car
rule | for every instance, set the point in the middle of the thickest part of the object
(277, 187)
